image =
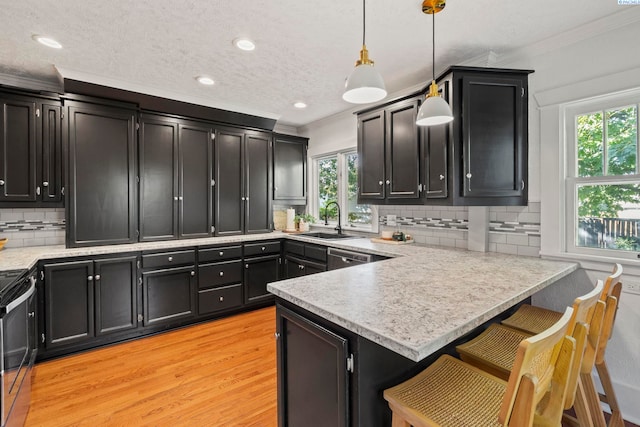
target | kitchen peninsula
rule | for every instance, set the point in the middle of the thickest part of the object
(346, 335)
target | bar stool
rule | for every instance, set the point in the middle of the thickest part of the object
(533, 319)
(451, 392)
(495, 350)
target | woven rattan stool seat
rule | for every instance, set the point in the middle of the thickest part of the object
(532, 319)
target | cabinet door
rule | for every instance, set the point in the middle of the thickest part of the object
(69, 303)
(402, 155)
(293, 267)
(158, 148)
(18, 150)
(312, 376)
(290, 169)
(229, 203)
(195, 181)
(311, 267)
(371, 149)
(102, 175)
(115, 294)
(435, 146)
(51, 180)
(257, 273)
(494, 147)
(168, 295)
(257, 166)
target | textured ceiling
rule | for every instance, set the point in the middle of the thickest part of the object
(305, 49)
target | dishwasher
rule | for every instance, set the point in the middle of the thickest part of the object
(339, 258)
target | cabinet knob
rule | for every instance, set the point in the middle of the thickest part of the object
(90, 278)
(301, 267)
(221, 299)
(180, 197)
(263, 249)
(441, 177)
(221, 273)
(275, 188)
(175, 198)
(38, 190)
(246, 198)
(242, 198)
(1, 182)
(45, 184)
(221, 253)
(97, 277)
(380, 182)
(469, 175)
(246, 266)
(170, 259)
(388, 182)
(276, 335)
(193, 273)
(32, 314)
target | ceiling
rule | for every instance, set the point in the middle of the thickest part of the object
(304, 50)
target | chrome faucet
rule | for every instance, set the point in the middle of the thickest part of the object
(326, 215)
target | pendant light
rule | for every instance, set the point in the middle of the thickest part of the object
(364, 85)
(434, 110)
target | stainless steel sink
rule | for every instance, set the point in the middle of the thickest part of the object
(328, 236)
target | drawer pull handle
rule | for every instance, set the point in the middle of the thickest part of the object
(221, 299)
(170, 258)
(263, 249)
(221, 273)
(441, 177)
(193, 273)
(221, 253)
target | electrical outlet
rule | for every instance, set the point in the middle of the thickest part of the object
(631, 287)
(391, 220)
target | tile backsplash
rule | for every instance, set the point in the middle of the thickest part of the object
(32, 227)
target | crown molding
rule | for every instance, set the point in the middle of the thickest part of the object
(30, 83)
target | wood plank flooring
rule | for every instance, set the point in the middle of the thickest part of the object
(221, 373)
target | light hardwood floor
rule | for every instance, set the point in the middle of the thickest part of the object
(222, 373)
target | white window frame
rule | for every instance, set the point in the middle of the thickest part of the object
(314, 207)
(572, 181)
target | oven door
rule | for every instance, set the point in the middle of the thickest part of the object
(17, 345)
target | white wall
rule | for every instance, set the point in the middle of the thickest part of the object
(578, 59)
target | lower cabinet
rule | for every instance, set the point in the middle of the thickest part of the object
(313, 381)
(219, 279)
(262, 263)
(86, 299)
(302, 259)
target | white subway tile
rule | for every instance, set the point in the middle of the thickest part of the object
(507, 216)
(497, 238)
(493, 247)
(534, 206)
(54, 241)
(497, 209)
(432, 241)
(528, 251)
(420, 238)
(534, 241)
(6, 215)
(14, 243)
(34, 242)
(518, 239)
(533, 218)
(506, 249)
(462, 244)
(34, 216)
(517, 209)
(451, 243)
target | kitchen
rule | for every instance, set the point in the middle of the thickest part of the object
(564, 71)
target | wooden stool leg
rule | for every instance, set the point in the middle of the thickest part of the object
(605, 380)
(398, 421)
(592, 400)
(582, 407)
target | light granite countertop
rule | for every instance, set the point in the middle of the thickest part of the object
(414, 304)
(423, 300)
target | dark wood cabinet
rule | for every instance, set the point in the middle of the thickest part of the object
(168, 295)
(262, 264)
(388, 149)
(302, 259)
(434, 155)
(220, 273)
(319, 393)
(242, 182)
(18, 149)
(86, 299)
(290, 169)
(102, 202)
(50, 178)
(176, 162)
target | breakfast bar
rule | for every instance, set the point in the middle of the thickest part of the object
(346, 335)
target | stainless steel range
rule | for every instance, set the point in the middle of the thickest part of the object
(18, 344)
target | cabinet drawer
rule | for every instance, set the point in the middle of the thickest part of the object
(296, 248)
(262, 248)
(219, 299)
(221, 273)
(219, 254)
(318, 253)
(168, 259)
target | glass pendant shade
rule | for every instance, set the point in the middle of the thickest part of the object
(434, 110)
(364, 85)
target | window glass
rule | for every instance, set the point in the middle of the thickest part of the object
(622, 141)
(356, 214)
(590, 144)
(328, 187)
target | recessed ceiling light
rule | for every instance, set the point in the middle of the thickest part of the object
(204, 80)
(47, 41)
(300, 104)
(244, 44)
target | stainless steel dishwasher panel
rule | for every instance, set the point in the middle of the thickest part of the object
(340, 258)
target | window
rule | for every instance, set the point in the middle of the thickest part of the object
(336, 179)
(603, 177)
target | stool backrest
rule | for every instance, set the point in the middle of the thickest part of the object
(611, 298)
(541, 371)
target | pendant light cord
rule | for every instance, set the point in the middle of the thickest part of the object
(433, 50)
(364, 21)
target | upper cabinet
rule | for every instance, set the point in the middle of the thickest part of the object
(289, 170)
(176, 164)
(102, 203)
(478, 159)
(31, 151)
(242, 182)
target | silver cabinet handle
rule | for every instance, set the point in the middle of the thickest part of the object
(45, 184)
(1, 182)
(175, 198)
(213, 182)
(441, 177)
(242, 198)
(275, 188)
(221, 273)
(263, 249)
(276, 335)
(38, 190)
(221, 299)
(180, 197)
(193, 273)
(522, 187)
(380, 182)
(246, 198)
(246, 266)
(469, 175)
(97, 277)
(301, 267)
(90, 278)
(170, 259)
(388, 182)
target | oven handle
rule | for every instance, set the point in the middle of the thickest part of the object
(15, 303)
